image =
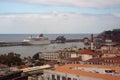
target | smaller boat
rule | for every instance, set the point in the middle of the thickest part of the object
(39, 40)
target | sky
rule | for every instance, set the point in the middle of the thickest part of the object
(58, 16)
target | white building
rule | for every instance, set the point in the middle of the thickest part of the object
(86, 54)
(4, 69)
(82, 72)
(62, 53)
(53, 75)
(49, 55)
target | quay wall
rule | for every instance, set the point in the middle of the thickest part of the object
(3, 44)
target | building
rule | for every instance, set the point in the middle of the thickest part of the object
(76, 60)
(49, 55)
(92, 43)
(35, 69)
(63, 53)
(4, 69)
(68, 52)
(111, 61)
(7, 73)
(87, 54)
(83, 72)
(111, 51)
(109, 45)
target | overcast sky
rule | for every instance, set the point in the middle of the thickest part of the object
(58, 16)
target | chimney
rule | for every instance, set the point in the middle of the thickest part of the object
(92, 43)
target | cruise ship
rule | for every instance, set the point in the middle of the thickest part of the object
(39, 40)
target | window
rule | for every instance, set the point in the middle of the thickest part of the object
(109, 71)
(53, 77)
(58, 77)
(63, 78)
(69, 78)
(74, 79)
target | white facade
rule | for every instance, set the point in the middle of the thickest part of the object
(49, 55)
(95, 70)
(53, 75)
(36, 68)
(106, 48)
(74, 55)
(110, 55)
(4, 70)
(85, 57)
(92, 46)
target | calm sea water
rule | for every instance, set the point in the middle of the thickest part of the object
(31, 50)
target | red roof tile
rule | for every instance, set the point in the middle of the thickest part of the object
(108, 60)
(2, 65)
(67, 69)
(22, 66)
(111, 52)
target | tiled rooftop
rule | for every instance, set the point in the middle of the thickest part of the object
(111, 52)
(67, 69)
(2, 65)
(22, 66)
(108, 60)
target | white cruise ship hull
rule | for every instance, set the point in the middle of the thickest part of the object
(38, 42)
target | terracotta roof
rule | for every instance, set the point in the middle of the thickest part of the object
(2, 65)
(67, 69)
(22, 66)
(51, 62)
(87, 51)
(108, 60)
(111, 52)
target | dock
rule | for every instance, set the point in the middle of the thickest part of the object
(67, 41)
(5, 44)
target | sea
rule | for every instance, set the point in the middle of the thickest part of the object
(26, 51)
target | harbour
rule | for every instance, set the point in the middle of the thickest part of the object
(31, 50)
(59, 40)
(14, 43)
(5, 44)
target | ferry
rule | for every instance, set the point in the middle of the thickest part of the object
(39, 40)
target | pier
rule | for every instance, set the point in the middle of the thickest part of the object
(68, 41)
(4, 44)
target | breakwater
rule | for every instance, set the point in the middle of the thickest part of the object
(3, 44)
(66, 41)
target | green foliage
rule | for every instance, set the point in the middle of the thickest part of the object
(113, 35)
(36, 56)
(27, 74)
(79, 49)
(10, 59)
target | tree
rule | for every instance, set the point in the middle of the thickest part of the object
(11, 59)
(36, 56)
